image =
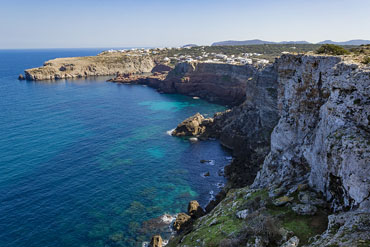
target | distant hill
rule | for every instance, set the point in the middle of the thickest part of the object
(189, 45)
(349, 42)
(261, 42)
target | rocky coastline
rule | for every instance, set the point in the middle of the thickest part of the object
(308, 184)
(299, 132)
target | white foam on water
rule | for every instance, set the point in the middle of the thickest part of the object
(193, 139)
(169, 132)
(228, 158)
(167, 218)
(220, 185)
(212, 197)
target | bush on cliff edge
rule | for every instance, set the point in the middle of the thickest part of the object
(332, 50)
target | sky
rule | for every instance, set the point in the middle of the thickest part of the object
(159, 23)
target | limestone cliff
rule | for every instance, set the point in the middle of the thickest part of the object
(246, 128)
(316, 173)
(220, 83)
(323, 134)
(102, 64)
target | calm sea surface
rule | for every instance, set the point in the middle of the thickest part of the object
(86, 162)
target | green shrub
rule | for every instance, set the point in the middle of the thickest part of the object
(332, 50)
(366, 60)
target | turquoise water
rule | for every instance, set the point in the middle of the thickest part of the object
(86, 162)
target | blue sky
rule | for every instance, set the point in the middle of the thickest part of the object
(126, 23)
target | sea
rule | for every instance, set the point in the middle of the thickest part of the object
(88, 163)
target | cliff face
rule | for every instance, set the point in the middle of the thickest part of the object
(246, 128)
(103, 64)
(323, 133)
(221, 83)
(316, 173)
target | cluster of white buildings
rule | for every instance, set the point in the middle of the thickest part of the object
(244, 58)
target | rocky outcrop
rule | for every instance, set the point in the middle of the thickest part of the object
(156, 241)
(193, 126)
(195, 210)
(323, 133)
(102, 64)
(182, 223)
(132, 78)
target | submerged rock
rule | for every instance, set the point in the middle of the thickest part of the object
(205, 161)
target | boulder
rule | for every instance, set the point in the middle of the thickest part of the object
(183, 222)
(156, 241)
(193, 126)
(195, 210)
(21, 77)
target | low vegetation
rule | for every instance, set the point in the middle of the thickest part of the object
(366, 60)
(270, 223)
(331, 49)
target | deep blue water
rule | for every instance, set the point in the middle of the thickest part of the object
(85, 162)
